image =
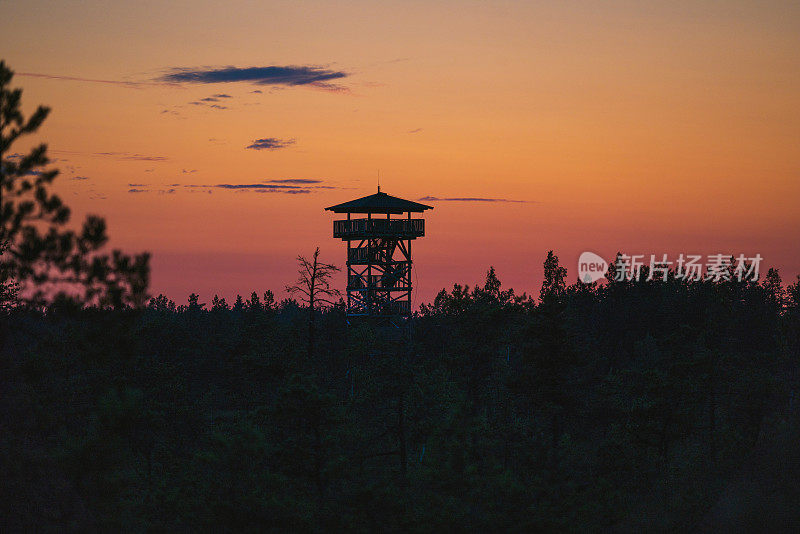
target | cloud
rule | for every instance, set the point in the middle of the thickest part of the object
(270, 143)
(293, 181)
(330, 87)
(288, 186)
(140, 157)
(287, 189)
(136, 185)
(118, 155)
(222, 95)
(271, 75)
(470, 199)
(206, 102)
(79, 178)
(184, 171)
(256, 186)
(133, 85)
(128, 155)
(257, 91)
(416, 130)
(288, 192)
(160, 191)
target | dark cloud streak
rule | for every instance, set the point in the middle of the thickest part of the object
(270, 143)
(255, 186)
(293, 181)
(287, 186)
(132, 85)
(470, 199)
(271, 75)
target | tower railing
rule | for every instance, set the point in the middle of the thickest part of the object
(364, 255)
(356, 282)
(358, 255)
(405, 228)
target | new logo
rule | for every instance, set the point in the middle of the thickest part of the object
(591, 267)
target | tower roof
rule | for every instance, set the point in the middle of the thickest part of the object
(379, 203)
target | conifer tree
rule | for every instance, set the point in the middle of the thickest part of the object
(44, 256)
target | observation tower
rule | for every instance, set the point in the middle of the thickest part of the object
(379, 253)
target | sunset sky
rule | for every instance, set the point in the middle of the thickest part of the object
(646, 127)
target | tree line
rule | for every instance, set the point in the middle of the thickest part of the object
(624, 405)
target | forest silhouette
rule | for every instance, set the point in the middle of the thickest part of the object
(624, 405)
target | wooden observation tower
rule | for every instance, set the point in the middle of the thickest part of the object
(379, 254)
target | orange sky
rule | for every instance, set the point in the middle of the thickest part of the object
(637, 126)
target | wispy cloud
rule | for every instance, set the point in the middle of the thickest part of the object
(271, 143)
(289, 186)
(471, 199)
(222, 95)
(290, 75)
(137, 157)
(117, 155)
(256, 186)
(79, 178)
(208, 102)
(293, 181)
(159, 191)
(416, 130)
(132, 85)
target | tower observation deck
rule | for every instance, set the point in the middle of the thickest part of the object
(379, 253)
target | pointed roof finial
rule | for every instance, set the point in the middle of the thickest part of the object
(379, 180)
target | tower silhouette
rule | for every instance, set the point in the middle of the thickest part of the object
(379, 254)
